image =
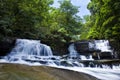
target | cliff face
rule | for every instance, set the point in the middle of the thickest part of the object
(24, 72)
(6, 45)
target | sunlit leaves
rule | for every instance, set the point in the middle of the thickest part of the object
(105, 15)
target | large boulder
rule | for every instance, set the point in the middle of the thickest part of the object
(85, 47)
(82, 46)
(25, 72)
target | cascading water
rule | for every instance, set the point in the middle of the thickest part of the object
(86, 59)
(72, 52)
(102, 45)
(30, 48)
(32, 52)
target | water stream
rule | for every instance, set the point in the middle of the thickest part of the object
(34, 53)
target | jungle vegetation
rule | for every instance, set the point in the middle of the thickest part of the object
(37, 19)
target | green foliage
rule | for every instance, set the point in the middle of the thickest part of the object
(105, 15)
(22, 18)
(36, 19)
(71, 22)
(86, 27)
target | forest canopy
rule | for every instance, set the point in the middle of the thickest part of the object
(37, 19)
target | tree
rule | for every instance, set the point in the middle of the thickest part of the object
(70, 22)
(106, 21)
(36, 19)
(24, 19)
(86, 27)
(105, 15)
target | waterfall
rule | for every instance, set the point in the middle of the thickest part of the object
(26, 47)
(30, 51)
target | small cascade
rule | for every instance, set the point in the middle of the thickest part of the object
(72, 52)
(102, 45)
(104, 49)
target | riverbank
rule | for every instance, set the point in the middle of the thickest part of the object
(25, 72)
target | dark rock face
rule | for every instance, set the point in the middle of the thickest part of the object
(83, 47)
(89, 47)
(6, 45)
(103, 55)
(116, 47)
(106, 55)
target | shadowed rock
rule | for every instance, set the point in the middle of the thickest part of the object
(6, 45)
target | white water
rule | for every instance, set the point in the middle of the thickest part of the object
(33, 53)
(74, 54)
(102, 45)
(102, 74)
(29, 49)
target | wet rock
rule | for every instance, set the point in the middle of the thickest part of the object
(103, 55)
(85, 47)
(116, 47)
(82, 46)
(99, 49)
(24, 72)
(106, 55)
